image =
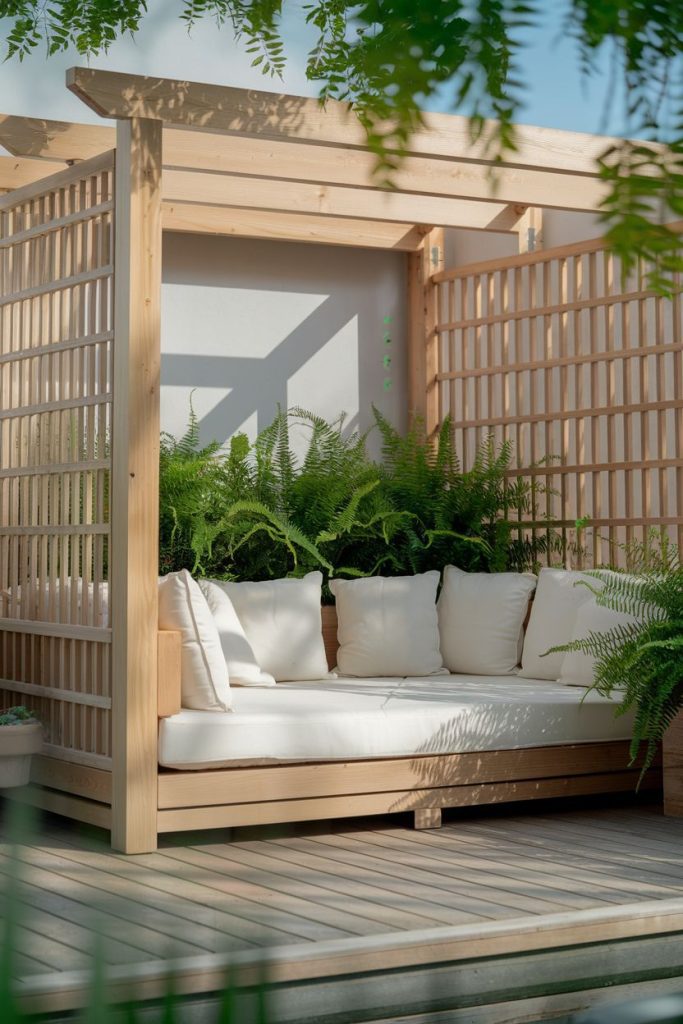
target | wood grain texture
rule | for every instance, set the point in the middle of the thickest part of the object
(481, 888)
(673, 768)
(169, 673)
(558, 354)
(317, 809)
(135, 483)
(276, 116)
(55, 417)
(351, 778)
(197, 218)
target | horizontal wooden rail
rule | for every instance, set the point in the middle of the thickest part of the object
(91, 700)
(575, 414)
(584, 359)
(62, 179)
(62, 530)
(63, 630)
(57, 406)
(531, 312)
(57, 468)
(58, 285)
(18, 355)
(535, 258)
(68, 220)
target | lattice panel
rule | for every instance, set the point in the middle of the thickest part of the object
(583, 372)
(56, 333)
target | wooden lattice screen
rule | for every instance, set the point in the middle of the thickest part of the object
(583, 372)
(56, 282)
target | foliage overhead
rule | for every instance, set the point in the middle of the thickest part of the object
(390, 58)
(255, 511)
(643, 660)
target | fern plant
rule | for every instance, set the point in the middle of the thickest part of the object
(642, 660)
(257, 511)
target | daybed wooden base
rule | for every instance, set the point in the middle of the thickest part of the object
(232, 797)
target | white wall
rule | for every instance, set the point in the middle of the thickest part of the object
(250, 324)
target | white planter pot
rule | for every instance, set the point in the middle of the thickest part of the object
(17, 744)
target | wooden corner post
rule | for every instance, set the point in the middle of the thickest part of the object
(423, 340)
(135, 484)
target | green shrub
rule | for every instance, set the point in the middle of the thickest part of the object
(253, 511)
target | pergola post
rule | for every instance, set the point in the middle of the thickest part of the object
(423, 340)
(135, 484)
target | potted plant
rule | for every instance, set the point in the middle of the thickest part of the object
(21, 735)
(643, 660)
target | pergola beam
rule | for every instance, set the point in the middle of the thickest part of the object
(54, 140)
(335, 201)
(15, 173)
(296, 118)
(318, 164)
(290, 227)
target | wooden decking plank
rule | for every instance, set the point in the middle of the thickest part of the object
(154, 904)
(655, 827)
(490, 898)
(590, 837)
(656, 842)
(122, 920)
(60, 912)
(585, 869)
(223, 876)
(534, 897)
(374, 873)
(385, 908)
(56, 955)
(309, 884)
(160, 871)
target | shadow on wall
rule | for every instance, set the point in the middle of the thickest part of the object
(254, 324)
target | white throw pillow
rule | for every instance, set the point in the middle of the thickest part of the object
(282, 621)
(388, 626)
(560, 593)
(481, 616)
(243, 668)
(183, 607)
(578, 668)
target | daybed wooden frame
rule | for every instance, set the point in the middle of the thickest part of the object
(80, 336)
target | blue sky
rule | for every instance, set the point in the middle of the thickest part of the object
(555, 98)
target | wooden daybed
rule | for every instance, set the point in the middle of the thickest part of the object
(235, 796)
(512, 348)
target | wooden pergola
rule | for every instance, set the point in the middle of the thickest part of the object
(80, 242)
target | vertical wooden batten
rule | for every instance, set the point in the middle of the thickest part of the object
(135, 483)
(423, 339)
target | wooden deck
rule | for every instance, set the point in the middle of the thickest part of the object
(337, 884)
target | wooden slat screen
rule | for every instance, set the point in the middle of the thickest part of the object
(56, 284)
(583, 372)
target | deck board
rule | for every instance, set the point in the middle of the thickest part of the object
(217, 892)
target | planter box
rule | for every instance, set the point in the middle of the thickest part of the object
(17, 744)
(673, 768)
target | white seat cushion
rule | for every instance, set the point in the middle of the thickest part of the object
(559, 595)
(204, 674)
(481, 618)
(243, 668)
(282, 621)
(347, 719)
(388, 626)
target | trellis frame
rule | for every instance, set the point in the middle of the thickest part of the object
(208, 159)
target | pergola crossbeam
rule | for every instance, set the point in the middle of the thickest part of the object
(196, 218)
(296, 118)
(463, 178)
(334, 201)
